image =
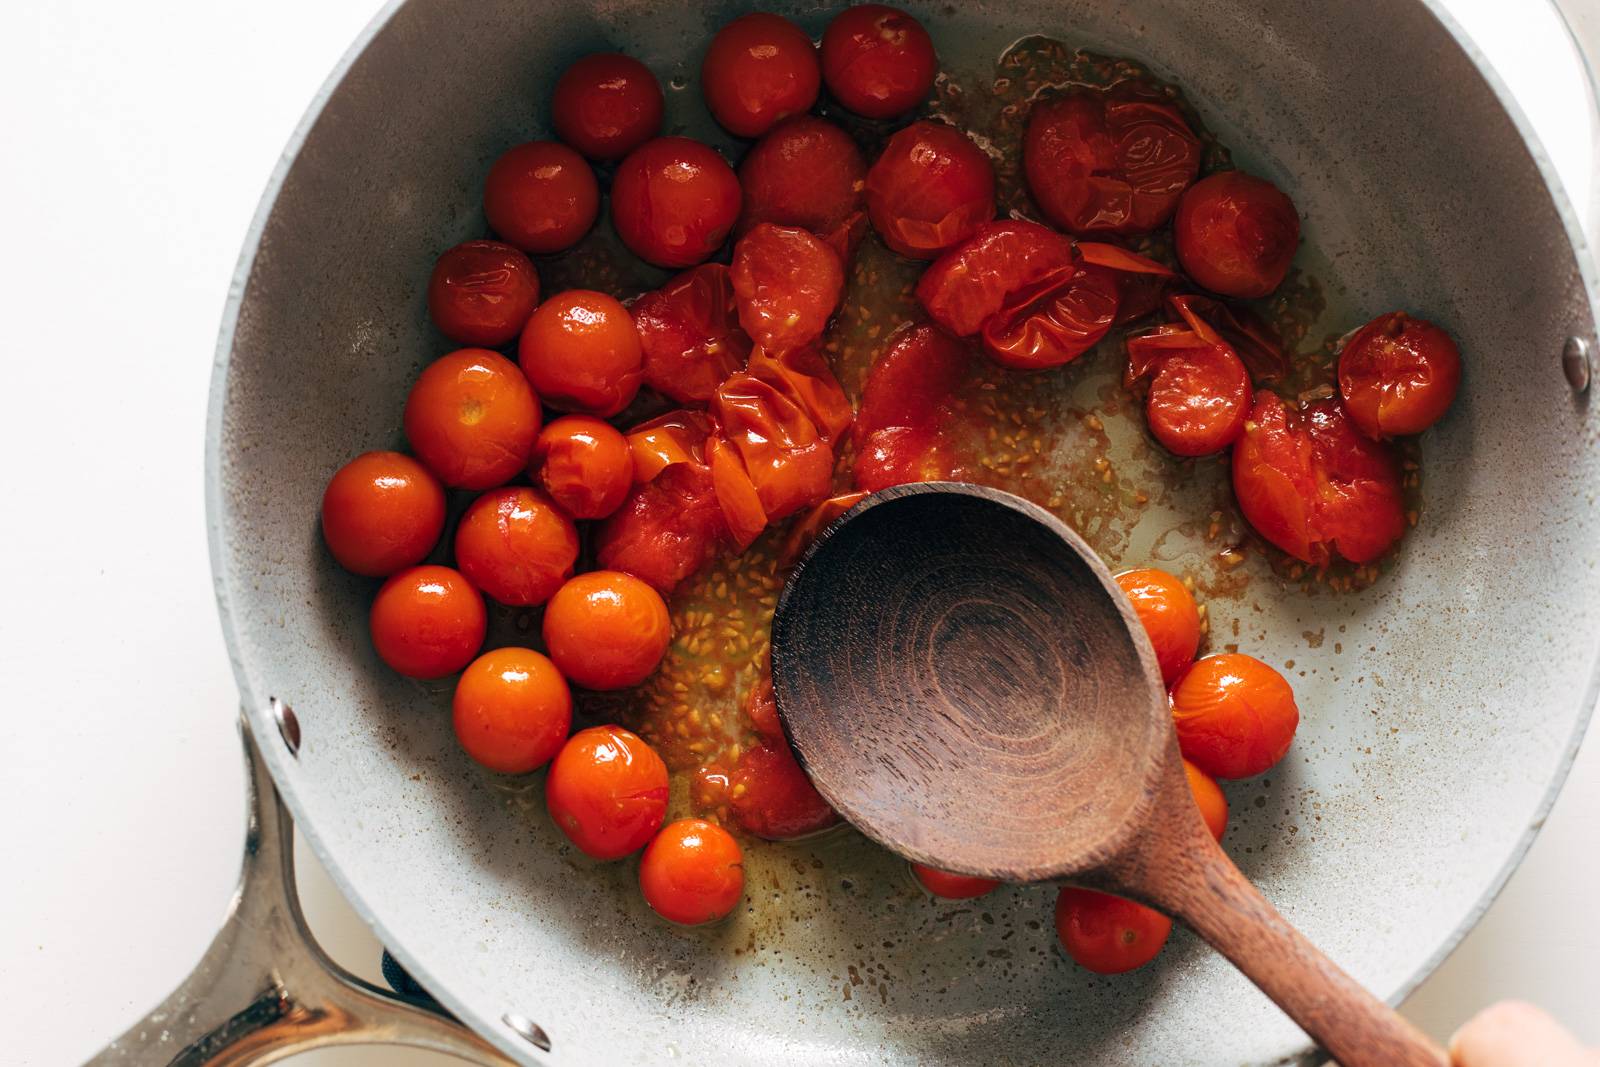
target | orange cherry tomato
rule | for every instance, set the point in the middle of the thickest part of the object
(692, 872)
(516, 545)
(878, 61)
(428, 622)
(952, 886)
(584, 464)
(759, 69)
(773, 798)
(581, 352)
(673, 201)
(787, 283)
(382, 512)
(1208, 796)
(806, 172)
(482, 292)
(512, 710)
(1169, 614)
(1107, 934)
(690, 334)
(1236, 234)
(805, 376)
(472, 418)
(1235, 715)
(541, 197)
(607, 791)
(606, 105)
(1398, 375)
(606, 630)
(929, 190)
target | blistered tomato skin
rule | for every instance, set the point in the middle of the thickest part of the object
(1199, 401)
(673, 201)
(1398, 375)
(1208, 797)
(1107, 934)
(760, 69)
(904, 406)
(585, 465)
(666, 530)
(930, 190)
(787, 284)
(878, 61)
(606, 105)
(773, 798)
(970, 283)
(481, 292)
(690, 334)
(1235, 716)
(511, 710)
(1236, 234)
(607, 791)
(1169, 614)
(692, 872)
(806, 172)
(581, 353)
(472, 419)
(382, 512)
(1053, 321)
(427, 622)
(516, 546)
(541, 197)
(952, 886)
(606, 630)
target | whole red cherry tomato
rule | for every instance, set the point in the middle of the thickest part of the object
(1398, 375)
(472, 418)
(382, 512)
(512, 710)
(1209, 798)
(759, 69)
(481, 292)
(584, 464)
(970, 283)
(1170, 616)
(692, 872)
(673, 201)
(606, 105)
(606, 630)
(581, 352)
(787, 284)
(1107, 934)
(516, 545)
(1235, 715)
(1236, 234)
(806, 172)
(929, 190)
(952, 886)
(772, 798)
(789, 463)
(541, 197)
(1200, 395)
(607, 791)
(878, 61)
(690, 334)
(904, 407)
(427, 622)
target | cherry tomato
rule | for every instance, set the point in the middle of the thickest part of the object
(1208, 797)
(1200, 397)
(773, 798)
(606, 105)
(690, 334)
(806, 172)
(692, 872)
(427, 622)
(761, 708)
(1236, 234)
(1235, 715)
(805, 377)
(1141, 281)
(929, 190)
(606, 630)
(512, 710)
(673, 201)
(1251, 339)
(675, 437)
(481, 292)
(952, 886)
(878, 61)
(472, 418)
(1170, 616)
(581, 353)
(1107, 934)
(1312, 485)
(789, 463)
(973, 281)
(741, 505)
(787, 283)
(904, 408)
(584, 464)
(382, 512)
(667, 529)
(1053, 321)
(759, 69)
(516, 545)
(541, 197)
(809, 525)
(607, 791)
(1108, 162)
(1398, 375)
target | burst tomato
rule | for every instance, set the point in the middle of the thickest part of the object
(929, 190)
(606, 630)
(516, 545)
(1236, 234)
(581, 353)
(1053, 321)
(878, 61)
(1209, 798)
(1398, 375)
(804, 376)
(382, 512)
(584, 464)
(772, 798)
(692, 872)
(806, 172)
(1107, 934)
(809, 525)
(1235, 716)
(787, 284)
(904, 408)
(952, 886)
(675, 437)
(759, 69)
(1170, 616)
(969, 284)
(789, 463)
(512, 710)
(427, 622)
(690, 334)
(606, 105)
(761, 708)
(673, 201)
(607, 791)
(741, 505)
(472, 419)
(541, 197)
(1200, 395)
(481, 293)
(667, 528)
(1252, 340)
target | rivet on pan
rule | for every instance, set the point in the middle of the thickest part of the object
(1575, 363)
(527, 1029)
(288, 725)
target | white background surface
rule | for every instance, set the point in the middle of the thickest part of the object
(135, 140)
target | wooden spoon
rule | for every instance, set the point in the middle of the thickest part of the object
(964, 682)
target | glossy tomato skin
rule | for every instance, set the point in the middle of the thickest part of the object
(516, 546)
(581, 353)
(606, 630)
(969, 284)
(787, 458)
(773, 798)
(673, 201)
(1107, 934)
(952, 886)
(806, 172)
(761, 708)
(541, 197)
(1236, 234)
(607, 791)
(481, 293)
(512, 710)
(666, 530)
(1209, 798)
(787, 284)
(427, 622)
(904, 406)
(930, 190)
(1235, 716)
(1199, 400)
(1054, 321)
(1169, 614)
(607, 104)
(585, 465)
(878, 61)
(1398, 375)
(382, 512)
(690, 334)
(472, 419)
(692, 872)
(760, 69)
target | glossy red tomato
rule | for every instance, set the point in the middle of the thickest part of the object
(690, 334)
(1053, 321)
(878, 61)
(806, 172)
(788, 461)
(606, 105)
(761, 708)
(1209, 798)
(1398, 375)
(692, 872)
(805, 377)
(512, 710)
(667, 529)
(1252, 340)
(1108, 162)
(427, 622)
(472, 418)
(969, 284)
(930, 190)
(606, 630)
(607, 791)
(759, 69)
(1200, 394)
(772, 798)
(541, 197)
(1170, 616)
(516, 545)
(787, 284)
(952, 886)
(904, 407)
(1235, 715)
(581, 352)
(382, 512)
(584, 464)
(481, 292)
(1236, 234)
(1107, 934)
(1314, 486)
(673, 201)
